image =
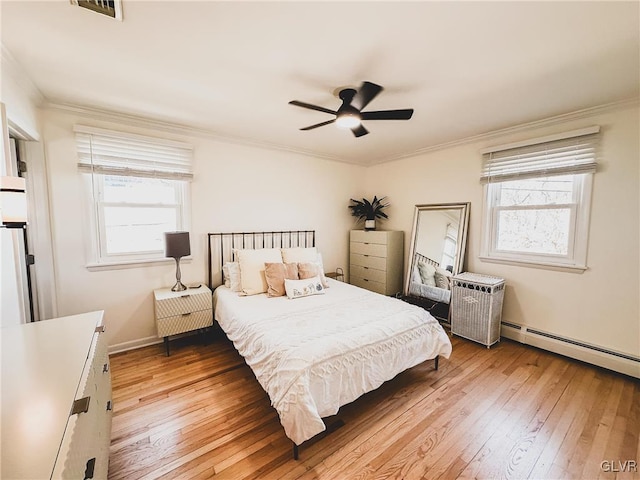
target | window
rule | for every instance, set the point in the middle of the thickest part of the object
(537, 200)
(137, 188)
(450, 243)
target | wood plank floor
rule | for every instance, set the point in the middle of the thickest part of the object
(509, 412)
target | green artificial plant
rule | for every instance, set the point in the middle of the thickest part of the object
(366, 210)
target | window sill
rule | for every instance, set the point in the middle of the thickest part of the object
(544, 265)
(122, 264)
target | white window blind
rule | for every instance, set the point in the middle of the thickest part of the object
(569, 153)
(114, 153)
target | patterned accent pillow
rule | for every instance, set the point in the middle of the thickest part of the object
(427, 273)
(303, 288)
(231, 272)
(276, 273)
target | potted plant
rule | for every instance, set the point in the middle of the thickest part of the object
(369, 211)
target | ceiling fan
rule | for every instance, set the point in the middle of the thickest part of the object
(350, 114)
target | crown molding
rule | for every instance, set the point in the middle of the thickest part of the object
(188, 130)
(495, 134)
(11, 68)
(178, 129)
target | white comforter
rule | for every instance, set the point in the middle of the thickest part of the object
(314, 354)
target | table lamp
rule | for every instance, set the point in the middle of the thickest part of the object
(176, 245)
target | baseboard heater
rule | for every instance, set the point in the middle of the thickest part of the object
(594, 354)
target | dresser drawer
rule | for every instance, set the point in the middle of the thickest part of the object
(184, 322)
(177, 305)
(364, 236)
(369, 273)
(373, 249)
(379, 263)
(377, 287)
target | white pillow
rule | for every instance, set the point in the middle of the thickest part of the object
(231, 272)
(427, 272)
(303, 288)
(415, 275)
(299, 255)
(252, 263)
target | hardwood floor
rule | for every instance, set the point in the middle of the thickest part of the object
(508, 412)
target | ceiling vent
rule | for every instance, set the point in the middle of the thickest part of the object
(110, 8)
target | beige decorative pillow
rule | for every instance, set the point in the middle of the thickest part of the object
(303, 288)
(252, 268)
(312, 269)
(299, 254)
(276, 273)
(442, 278)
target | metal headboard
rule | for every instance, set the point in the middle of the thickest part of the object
(422, 258)
(221, 246)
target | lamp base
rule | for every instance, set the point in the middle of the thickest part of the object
(178, 287)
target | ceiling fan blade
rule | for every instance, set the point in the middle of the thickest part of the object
(311, 127)
(312, 107)
(388, 115)
(367, 92)
(359, 131)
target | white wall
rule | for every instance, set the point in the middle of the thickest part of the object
(20, 96)
(236, 188)
(599, 306)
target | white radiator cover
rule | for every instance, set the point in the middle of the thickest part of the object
(596, 355)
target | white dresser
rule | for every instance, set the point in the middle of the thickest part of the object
(377, 260)
(180, 312)
(56, 399)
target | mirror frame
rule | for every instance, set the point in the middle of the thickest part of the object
(464, 208)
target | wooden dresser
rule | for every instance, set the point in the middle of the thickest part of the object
(377, 260)
(56, 399)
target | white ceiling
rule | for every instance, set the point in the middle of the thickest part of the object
(467, 68)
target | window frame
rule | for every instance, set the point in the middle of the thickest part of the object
(98, 258)
(576, 257)
(122, 154)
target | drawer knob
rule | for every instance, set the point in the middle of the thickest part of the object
(186, 314)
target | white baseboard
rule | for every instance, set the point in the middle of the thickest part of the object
(131, 345)
(603, 357)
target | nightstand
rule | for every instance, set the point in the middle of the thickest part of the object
(337, 275)
(180, 312)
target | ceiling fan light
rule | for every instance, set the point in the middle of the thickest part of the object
(348, 120)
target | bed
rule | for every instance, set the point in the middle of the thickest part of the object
(439, 291)
(313, 355)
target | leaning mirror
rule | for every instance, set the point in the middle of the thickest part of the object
(436, 254)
